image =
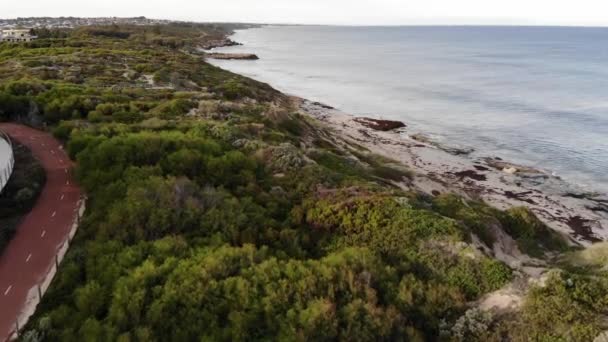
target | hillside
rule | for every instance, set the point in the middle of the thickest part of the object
(217, 211)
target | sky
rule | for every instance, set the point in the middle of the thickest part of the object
(338, 12)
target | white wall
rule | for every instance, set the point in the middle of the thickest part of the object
(6, 162)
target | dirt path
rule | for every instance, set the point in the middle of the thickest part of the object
(31, 253)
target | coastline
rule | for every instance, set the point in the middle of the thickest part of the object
(439, 169)
(202, 176)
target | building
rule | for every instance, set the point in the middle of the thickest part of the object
(16, 35)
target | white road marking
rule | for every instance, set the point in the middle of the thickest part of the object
(28, 257)
(52, 151)
(54, 213)
(43, 233)
(8, 290)
(61, 199)
(66, 170)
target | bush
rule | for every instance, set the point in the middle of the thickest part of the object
(173, 108)
(532, 235)
(234, 89)
(63, 130)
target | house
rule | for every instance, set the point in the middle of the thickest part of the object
(16, 35)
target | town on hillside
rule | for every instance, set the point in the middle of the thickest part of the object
(21, 29)
(71, 22)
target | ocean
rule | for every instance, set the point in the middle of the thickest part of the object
(531, 95)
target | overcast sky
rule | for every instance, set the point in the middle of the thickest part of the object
(348, 12)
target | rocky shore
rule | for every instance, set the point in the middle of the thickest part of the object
(224, 42)
(440, 168)
(583, 217)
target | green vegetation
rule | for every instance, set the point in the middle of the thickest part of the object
(216, 212)
(532, 236)
(568, 307)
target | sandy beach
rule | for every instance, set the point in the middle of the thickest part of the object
(583, 217)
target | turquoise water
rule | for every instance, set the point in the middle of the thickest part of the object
(534, 95)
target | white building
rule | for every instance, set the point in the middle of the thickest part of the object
(16, 35)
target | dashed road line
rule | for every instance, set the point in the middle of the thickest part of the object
(8, 289)
(61, 198)
(28, 257)
(54, 213)
(43, 233)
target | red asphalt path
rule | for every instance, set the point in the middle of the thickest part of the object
(31, 252)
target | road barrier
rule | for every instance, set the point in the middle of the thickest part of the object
(6, 167)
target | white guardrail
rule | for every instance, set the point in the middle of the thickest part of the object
(6, 164)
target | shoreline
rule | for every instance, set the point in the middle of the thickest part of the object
(439, 169)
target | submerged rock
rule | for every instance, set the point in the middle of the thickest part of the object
(453, 150)
(511, 168)
(456, 150)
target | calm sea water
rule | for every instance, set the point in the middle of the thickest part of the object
(535, 95)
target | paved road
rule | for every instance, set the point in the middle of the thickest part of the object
(31, 252)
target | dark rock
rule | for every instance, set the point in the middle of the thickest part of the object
(583, 195)
(219, 43)
(599, 208)
(470, 174)
(457, 151)
(380, 125)
(322, 105)
(520, 196)
(582, 228)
